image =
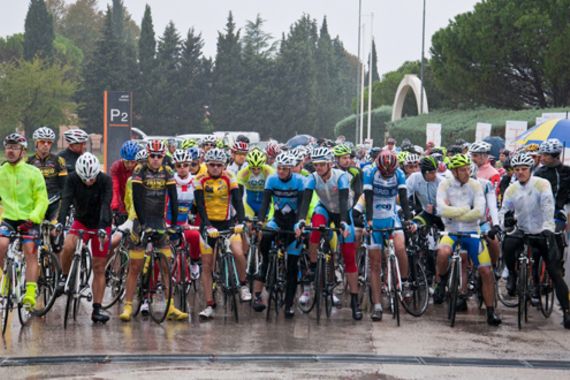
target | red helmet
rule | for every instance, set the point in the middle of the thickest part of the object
(156, 146)
(272, 149)
(387, 162)
(240, 147)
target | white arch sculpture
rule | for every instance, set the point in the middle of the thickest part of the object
(414, 83)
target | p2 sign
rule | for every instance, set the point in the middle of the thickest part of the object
(117, 129)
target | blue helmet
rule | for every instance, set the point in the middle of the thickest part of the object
(129, 150)
(194, 153)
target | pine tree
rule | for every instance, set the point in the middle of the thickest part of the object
(328, 113)
(145, 111)
(375, 76)
(39, 34)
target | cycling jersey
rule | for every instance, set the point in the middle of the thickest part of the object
(185, 197)
(328, 191)
(491, 212)
(559, 178)
(254, 186)
(235, 168)
(155, 186)
(217, 194)
(385, 191)
(286, 196)
(488, 172)
(424, 191)
(120, 174)
(54, 171)
(92, 203)
(69, 158)
(533, 204)
(461, 206)
(23, 192)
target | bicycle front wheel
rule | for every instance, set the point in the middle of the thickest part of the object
(47, 282)
(417, 304)
(453, 292)
(545, 289)
(271, 284)
(115, 278)
(6, 298)
(160, 287)
(522, 287)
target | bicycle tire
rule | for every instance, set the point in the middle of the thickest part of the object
(70, 292)
(232, 286)
(160, 287)
(395, 293)
(115, 278)
(179, 276)
(453, 292)
(319, 279)
(270, 282)
(546, 290)
(50, 270)
(328, 290)
(7, 301)
(522, 287)
(84, 277)
(420, 290)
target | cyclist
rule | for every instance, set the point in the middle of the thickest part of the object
(52, 167)
(461, 203)
(272, 149)
(151, 182)
(239, 152)
(208, 142)
(121, 171)
(215, 193)
(90, 191)
(533, 204)
(411, 164)
(24, 198)
(382, 184)
(77, 140)
(336, 200)
(197, 167)
(251, 180)
(285, 190)
(532, 150)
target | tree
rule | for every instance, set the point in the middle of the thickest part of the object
(227, 80)
(11, 48)
(375, 76)
(38, 32)
(33, 93)
(82, 24)
(505, 53)
(57, 9)
(145, 111)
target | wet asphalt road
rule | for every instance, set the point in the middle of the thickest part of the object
(387, 351)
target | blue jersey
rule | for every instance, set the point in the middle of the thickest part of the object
(328, 191)
(286, 196)
(385, 191)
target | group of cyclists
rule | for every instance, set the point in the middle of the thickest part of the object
(195, 190)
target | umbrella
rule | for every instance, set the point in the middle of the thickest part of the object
(299, 140)
(551, 129)
(497, 144)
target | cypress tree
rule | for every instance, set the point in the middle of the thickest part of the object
(38, 32)
(145, 112)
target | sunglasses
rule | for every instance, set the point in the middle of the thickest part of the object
(216, 165)
(156, 155)
(194, 164)
(178, 166)
(45, 142)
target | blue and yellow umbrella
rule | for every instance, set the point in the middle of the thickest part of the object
(551, 129)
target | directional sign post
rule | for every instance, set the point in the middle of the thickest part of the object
(117, 124)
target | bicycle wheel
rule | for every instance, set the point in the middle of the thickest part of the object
(522, 288)
(546, 289)
(47, 282)
(232, 286)
(418, 303)
(501, 285)
(395, 292)
(252, 265)
(328, 287)
(84, 276)
(160, 287)
(453, 292)
(6, 298)
(271, 282)
(115, 278)
(72, 290)
(179, 272)
(319, 282)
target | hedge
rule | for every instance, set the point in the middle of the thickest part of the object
(380, 117)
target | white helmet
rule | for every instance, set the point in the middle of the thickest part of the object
(286, 159)
(87, 166)
(210, 139)
(322, 154)
(522, 159)
(76, 136)
(480, 147)
(44, 133)
(141, 155)
(181, 155)
(551, 146)
(216, 155)
(412, 158)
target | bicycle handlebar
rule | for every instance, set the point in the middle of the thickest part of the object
(462, 235)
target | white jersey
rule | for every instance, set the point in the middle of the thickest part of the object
(461, 207)
(491, 211)
(235, 168)
(328, 191)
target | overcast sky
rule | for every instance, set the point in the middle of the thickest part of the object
(397, 25)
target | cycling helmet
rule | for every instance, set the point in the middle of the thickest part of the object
(194, 153)
(272, 149)
(411, 159)
(44, 133)
(342, 150)
(242, 138)
(129, 150)
(172, 141)
(455, 149)
(551, 146)
(286, 159)
(142, 155)
(299, 153)
(374, 152)
(458, 161)
(402, 157)
(321, 154)
(216, 155)
(188, 143)
(428, 164)
(439, 150)
(210, 139)
(522, 159)
(16, 138)
(87, 166)
(480, 147)
(532, 149)
(256, 158)
(387, 163)
(180, 155)
(240, 147)
(75, 136)
(156, 146)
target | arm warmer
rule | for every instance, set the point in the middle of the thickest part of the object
(264, 205)
(237, 202)
(199, 199)
(173, 195)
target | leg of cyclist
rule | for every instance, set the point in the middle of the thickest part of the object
(350, 268)
(136, 260)
(66, 255)
(512, 245)
(31, 258)
(99, 263)
(482, 260)
(207, 281)
(443, 255)
(264, 247)
(375, 256)
(173, 312)
(236, 246)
